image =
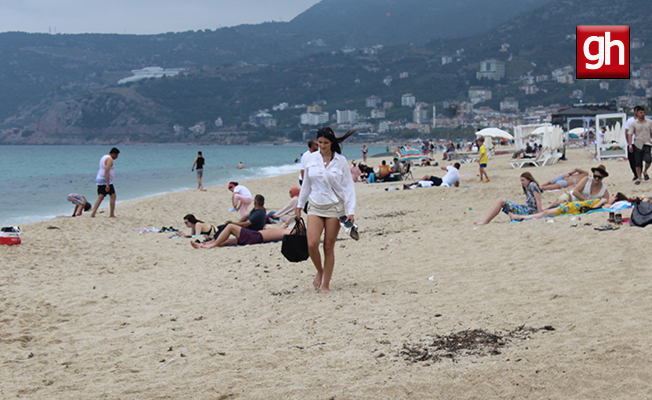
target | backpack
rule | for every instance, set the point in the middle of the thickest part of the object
(641, 214)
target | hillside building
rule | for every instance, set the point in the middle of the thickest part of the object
(479, 94)
(150, 72)
(346, 116)
(262, 118)
(509, 104)
(491, 69)
(373, 101)
(377, 113)
(314, 118)
(408, 100)
(419, 115)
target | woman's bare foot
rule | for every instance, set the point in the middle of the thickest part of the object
(324, 291)
(195, 244)
(480, 223)
(317, 282)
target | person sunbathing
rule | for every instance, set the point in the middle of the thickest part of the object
(568, 180)
(573, 207)
(242, 236)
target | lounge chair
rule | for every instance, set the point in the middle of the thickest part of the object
(521, 162)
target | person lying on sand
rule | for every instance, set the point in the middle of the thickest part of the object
(564, 181)
(573, 207)
(242, 236)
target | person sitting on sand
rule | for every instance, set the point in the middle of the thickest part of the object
(287, 212)
(587, 190)
(573, 207)
(80, 202)
(255, 220)
(383, 170)
(242, 236)
(452, 178)
(568, 180)
(532, 201)
(197, 227)
(355, 172)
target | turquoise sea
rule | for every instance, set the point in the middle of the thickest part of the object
(35, 180)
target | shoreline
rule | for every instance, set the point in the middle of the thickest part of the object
(92, 308)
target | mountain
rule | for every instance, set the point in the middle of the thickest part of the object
(39, 69)
(391, 22)
(538, 41)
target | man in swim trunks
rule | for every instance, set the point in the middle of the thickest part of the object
(242, 236)
(104, 181)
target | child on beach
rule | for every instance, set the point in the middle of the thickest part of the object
(482, 160)
(80, 203)
(532, 201)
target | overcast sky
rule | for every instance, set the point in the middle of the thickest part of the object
(141, 16)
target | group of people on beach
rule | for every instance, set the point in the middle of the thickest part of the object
(326, 193)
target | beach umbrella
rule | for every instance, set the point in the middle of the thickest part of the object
(577, 131)
(409, 154)
(495, 133)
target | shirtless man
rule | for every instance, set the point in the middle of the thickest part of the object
(242, 236)
(104, 181)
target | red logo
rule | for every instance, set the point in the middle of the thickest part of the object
(603, 52)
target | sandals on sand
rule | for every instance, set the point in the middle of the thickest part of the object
(607, 228)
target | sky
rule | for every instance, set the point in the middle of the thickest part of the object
(141, 16)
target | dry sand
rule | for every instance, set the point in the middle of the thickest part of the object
(93, 309)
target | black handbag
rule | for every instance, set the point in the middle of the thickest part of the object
(295, 244)
(641, 214)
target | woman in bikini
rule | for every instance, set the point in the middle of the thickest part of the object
(197, 227)
(565, 181)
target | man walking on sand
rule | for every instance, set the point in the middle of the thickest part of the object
(104, 181)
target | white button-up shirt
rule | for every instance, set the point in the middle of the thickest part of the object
(327, 185)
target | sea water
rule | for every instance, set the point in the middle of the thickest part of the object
(35, 180)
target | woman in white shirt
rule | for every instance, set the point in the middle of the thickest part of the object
(328, 188)
(241, 198)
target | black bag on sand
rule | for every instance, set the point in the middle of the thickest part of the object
(295, 245)
(641, 214)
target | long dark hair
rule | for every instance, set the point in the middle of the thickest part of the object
(328, 133)
(191, 218)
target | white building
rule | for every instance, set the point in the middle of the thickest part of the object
(346, 116)
(219, 122)
(509, 104)
(150, 72)
(314, 118)
(262, 118)
(419, 115)
(377, 113)
(408, 100)
(373, 101)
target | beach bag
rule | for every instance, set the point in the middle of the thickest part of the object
(295, 245)
(641, 214)
(10, 235)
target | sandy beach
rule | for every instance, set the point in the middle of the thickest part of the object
(91, 308)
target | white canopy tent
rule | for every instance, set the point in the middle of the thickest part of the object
(614, 143)
(552, 137)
